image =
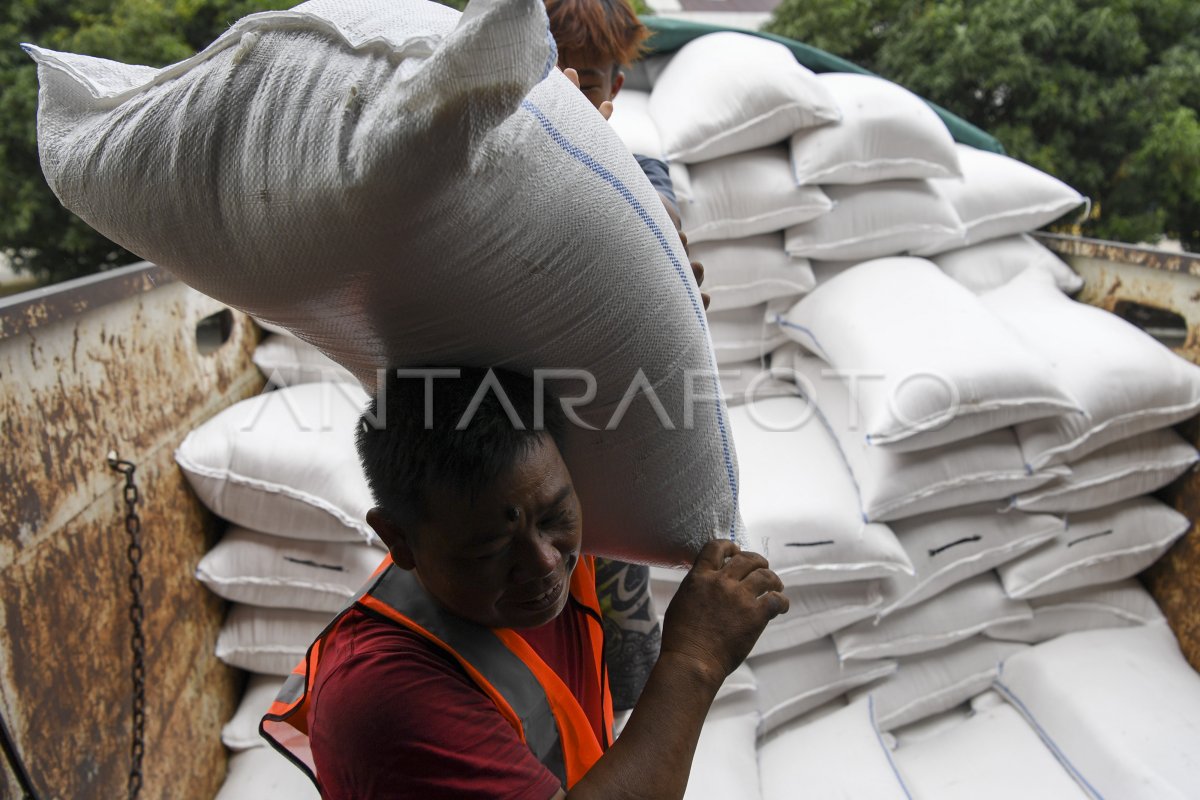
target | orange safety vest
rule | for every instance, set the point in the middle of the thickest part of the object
(534, 700)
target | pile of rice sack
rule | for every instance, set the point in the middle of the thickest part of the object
(947, 459)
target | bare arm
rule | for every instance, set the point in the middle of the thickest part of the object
(716, 617)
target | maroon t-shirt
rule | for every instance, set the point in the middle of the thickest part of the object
(395, 716)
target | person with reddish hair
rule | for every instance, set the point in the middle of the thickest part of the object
(596, 38)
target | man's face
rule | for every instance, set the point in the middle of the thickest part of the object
(599, 81)
(504, 558)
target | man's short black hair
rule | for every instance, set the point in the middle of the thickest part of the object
(403, 457)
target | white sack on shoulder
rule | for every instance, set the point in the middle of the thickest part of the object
(886, 133)
(933, 365)
(402, 185)
(1126, 382)
(732, 92)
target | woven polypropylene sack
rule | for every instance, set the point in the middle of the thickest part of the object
(936, 366)
(886, 133)
(1125, 381)
(1117, 706)
(400, 185)
(976, 759)
(987, 266)
(957, 614)
(731, 92)
(631, 120)
(1000, 196)
(263, 774)
(836, 757)
(1121, 604)
(930, 683)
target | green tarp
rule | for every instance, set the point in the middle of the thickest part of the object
(672, 34)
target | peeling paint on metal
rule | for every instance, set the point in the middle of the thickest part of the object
(126, 376)
(1070, 247)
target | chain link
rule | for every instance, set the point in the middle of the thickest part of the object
(137, 615)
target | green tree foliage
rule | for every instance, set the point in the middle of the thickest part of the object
(1104, 94)
(36, 232)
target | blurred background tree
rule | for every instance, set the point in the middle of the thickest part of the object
(37, 234)
(1104, 94)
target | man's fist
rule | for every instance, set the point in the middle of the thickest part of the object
(721, 608)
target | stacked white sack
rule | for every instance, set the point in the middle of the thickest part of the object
(721, 112)
(867, 170)
(409, 124)
(1117, 706)
(889, 325)
(900, 185)
(282, 470)
(1106, 713)
(932, 364)
(288, 361)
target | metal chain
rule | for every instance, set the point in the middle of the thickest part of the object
(137, 615)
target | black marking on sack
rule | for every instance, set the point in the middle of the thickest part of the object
(309, 563)
(1089, 536)
(808, 544)
(933, 551)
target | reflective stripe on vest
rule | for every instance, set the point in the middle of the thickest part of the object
(398, 588)
(536, 703)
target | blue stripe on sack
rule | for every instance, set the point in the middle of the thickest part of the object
(697, 308)
(782, 322)
(887, 753)
(1058, 753)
